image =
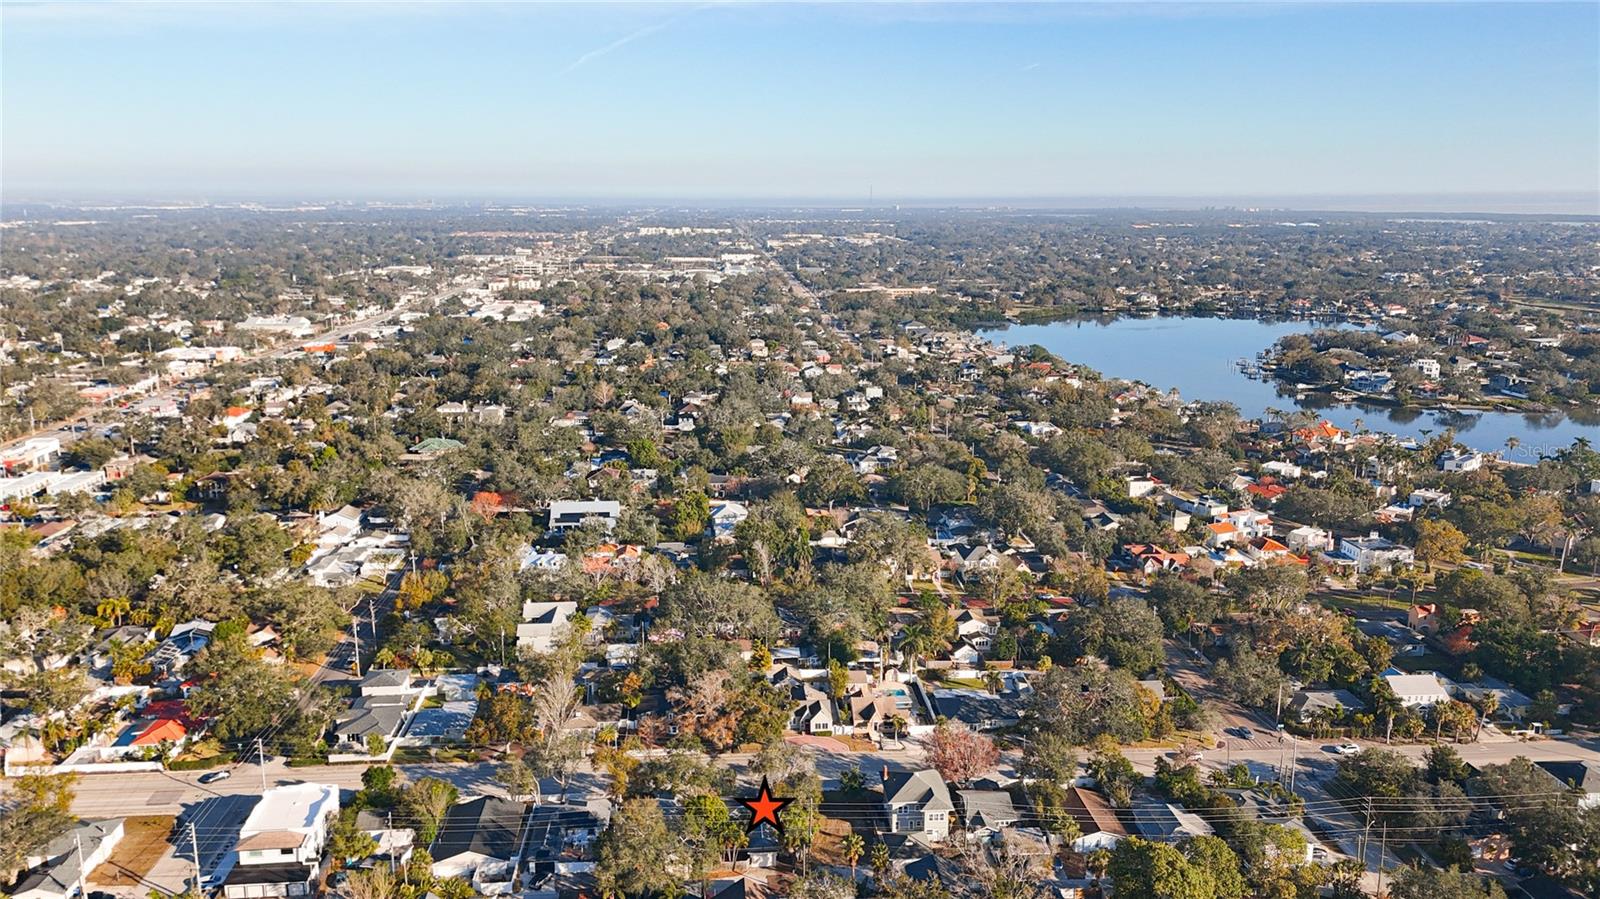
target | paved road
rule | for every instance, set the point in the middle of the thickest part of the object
(170, 792)
(217, 809)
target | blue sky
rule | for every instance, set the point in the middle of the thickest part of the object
(833, 101)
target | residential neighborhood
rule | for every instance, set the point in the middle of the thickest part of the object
(517, 569)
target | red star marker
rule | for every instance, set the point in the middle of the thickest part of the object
(764, 808)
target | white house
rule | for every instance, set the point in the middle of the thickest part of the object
(281, 843)
(480, 841)
(1286, 470)
(725, 516)
(572, 513)
(1428, 497)
(542, 559)
(542, 623)
(1037, 428)
(1428, 367)
(1372, 552)
(387, 682)
(1417, 690)
(1461, 460)
(1306, 539)
(30, 454)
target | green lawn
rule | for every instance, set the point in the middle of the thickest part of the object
(1428, 661)
(1401, 601)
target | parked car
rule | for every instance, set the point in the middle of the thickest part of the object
(215, 776)
(1347, 749)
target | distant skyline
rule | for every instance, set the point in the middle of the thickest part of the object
(1427, 107)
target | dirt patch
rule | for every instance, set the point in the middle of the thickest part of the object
(144, 842)
(829, 847)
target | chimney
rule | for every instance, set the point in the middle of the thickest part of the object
(886, 772)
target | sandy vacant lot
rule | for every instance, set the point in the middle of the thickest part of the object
(144, 842)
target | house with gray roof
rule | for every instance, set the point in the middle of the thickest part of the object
(56, 871)
(444, 724)
(1581, 775)
(368, 715)
(1165, 821)
(978, 709)
(985, 812)
(1307, 704)
(480, 841)
(386, 682)
(917, 802)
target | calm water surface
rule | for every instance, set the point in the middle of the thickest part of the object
(1198, 355)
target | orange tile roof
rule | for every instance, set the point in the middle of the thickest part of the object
(164, 729)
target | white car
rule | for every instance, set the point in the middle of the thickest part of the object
(1347, 749)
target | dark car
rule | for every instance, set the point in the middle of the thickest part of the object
(215, 776)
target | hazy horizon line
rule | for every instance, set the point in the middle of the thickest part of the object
(1538, 203)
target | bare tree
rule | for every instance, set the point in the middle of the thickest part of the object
(958, 753)
(1010, 869)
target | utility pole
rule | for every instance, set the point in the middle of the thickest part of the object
(1278, 715)
(261, 761)
(355, 635)
(194, 846)
(77, 838)
(1366, 832)
(1383, 843)
(1294, 761)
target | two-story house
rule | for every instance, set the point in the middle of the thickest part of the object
(1374, 552)
(281, 843)
(976, 629)
(480, 841)
(917, 803)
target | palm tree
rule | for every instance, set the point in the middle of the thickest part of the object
(853, 847)
(53, 732)
(896, 726)
(1487, 706)
(993, 680)
(113, 609)
(1097, 862)
(127, 661)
